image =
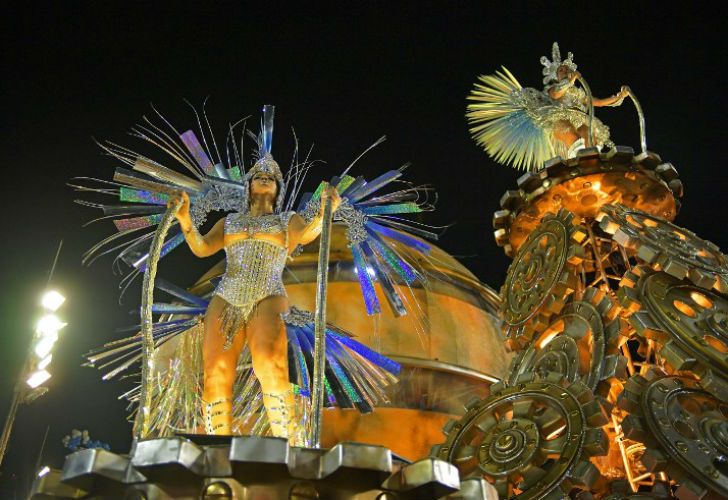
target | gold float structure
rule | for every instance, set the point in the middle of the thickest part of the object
(615, 386)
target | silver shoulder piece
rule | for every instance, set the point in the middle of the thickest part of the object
(217, 194)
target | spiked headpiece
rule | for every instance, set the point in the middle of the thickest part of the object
(265, 162)
(552, 66)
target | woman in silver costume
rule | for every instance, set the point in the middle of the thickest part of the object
(247, 322)
(249, 301)
(524, 127)
(570, 122)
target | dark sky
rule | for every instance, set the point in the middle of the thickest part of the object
(342, 77)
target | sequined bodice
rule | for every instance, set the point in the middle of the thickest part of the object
(244, 223)
(574, 97)
(254, 267)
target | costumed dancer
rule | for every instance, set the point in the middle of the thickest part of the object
(247, 320)
(248, 304)
(524, 127)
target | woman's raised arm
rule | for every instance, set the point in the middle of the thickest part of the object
(304, 232)
(201, 246)
(614, 100)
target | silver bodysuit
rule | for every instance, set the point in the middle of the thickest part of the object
(254, 268)
(572, 107)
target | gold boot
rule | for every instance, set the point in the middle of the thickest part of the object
(282, 416)
(218, 416)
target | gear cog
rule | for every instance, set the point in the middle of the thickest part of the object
(684, 430)
(541, 276)
(666, 247)
(581, 344)
(531, 440)
(688, 323)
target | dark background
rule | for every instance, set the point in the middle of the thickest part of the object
(343, 77)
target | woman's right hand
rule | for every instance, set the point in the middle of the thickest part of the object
(184, 209)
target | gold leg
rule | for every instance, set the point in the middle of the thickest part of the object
(218, 416)
(283, 417)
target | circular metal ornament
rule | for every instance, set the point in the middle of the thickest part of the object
(581, 344)
(530, 441)
(684, 430)
(541, 276)
(688, 323)
(666, 247)
(582, 185)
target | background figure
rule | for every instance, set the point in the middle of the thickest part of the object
(524, 127)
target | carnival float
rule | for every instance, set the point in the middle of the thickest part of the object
(338, 353)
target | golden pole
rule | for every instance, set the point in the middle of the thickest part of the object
(143, 420)
(319, 366)
(641, 117)
(587, 89)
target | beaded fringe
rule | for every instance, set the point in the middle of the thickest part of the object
(232, 319)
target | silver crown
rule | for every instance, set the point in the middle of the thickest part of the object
(552, 66)
(267, 165)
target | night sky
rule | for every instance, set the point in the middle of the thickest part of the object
(342, 78)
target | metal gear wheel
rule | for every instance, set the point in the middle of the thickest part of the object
(531, 440)
(582, 185)
(581, 344)
(666, 247)
(541, 277)
(684, 430)
(688, 323)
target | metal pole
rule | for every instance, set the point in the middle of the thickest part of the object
(641, 117)
(55, 261)
(34, 472)
(9, 421)
(143, 420)
(591, 110)
(42, 449)
(319, 366)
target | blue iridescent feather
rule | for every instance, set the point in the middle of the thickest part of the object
(374, 228)
(367, 286)
(376, 184)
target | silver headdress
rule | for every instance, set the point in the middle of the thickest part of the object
(265, 162)
(552, 66)
(266, 165)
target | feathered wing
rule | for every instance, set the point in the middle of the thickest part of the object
(509, 121)
(378, 232)
(143, 186)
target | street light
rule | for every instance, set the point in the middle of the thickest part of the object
(46, 336)
(35, 370)
(49, 324)
(45, 362)
(37, 378)
(52, 300)
(43, 346)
